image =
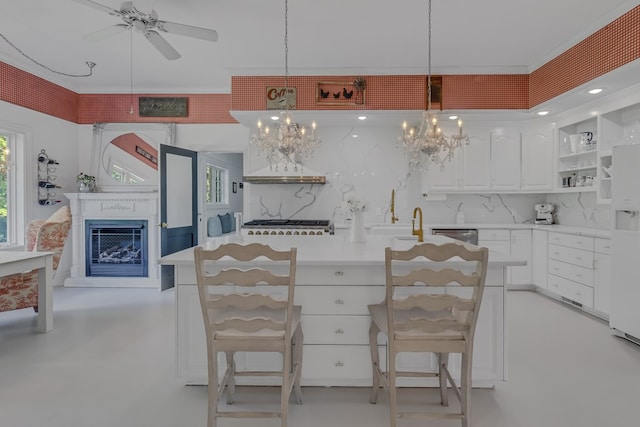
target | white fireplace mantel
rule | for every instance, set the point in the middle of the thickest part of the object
(105, 206)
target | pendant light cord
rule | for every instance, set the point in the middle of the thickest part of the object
(89, 63)
(429, 58)
(131, 70)
(286, 53)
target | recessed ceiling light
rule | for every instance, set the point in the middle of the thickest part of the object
(543, 113)
(355, 135)
(362, 117)
(595, 91)
(453, 117)
(275, 117)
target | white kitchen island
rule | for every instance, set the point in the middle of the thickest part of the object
(335, 282)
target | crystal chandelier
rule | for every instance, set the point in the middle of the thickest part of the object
(289, 143)
(426, 143)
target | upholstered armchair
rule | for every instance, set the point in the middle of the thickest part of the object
(21, 290)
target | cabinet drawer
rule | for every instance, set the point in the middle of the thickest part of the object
(342, 300)
(571, 240)
(571, 272)
(336, 329)
(573, 256)
(602, 245)
(571, 290)
(338, 364)
(489, 234)
(374, 275)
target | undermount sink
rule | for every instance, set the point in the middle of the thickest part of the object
(413, 238)
(391, 229)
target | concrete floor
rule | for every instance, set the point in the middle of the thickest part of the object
(110, 361)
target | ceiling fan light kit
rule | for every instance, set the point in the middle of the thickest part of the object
(149, 25)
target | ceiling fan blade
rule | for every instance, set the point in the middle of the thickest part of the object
(99, 6)
(106, 32)
(162, 45)
(188, 30)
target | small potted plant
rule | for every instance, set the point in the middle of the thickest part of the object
(86, 183)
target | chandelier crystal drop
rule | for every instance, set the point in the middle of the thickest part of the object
(427, 143)
(289, 143)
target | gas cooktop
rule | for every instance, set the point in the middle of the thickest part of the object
(288, 223)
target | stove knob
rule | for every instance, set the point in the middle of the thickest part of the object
(296, 233)
(280, 233)
(258, 233)
(312, 233)
(319, 233)
(250, 233)
(288, 233)
(304, 233)
(273, 233)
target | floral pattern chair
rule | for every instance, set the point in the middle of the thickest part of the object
(21, 290)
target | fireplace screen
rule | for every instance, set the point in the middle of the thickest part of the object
(116, 248)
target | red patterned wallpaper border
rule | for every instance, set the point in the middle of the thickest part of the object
(613, 46)
(26, 90)
(617, 44)
(116, 108)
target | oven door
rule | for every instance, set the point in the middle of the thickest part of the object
(468, 235)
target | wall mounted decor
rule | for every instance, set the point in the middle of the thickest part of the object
(279, 96)
(162, 106)
(341, 93)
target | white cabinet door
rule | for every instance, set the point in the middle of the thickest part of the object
(505, 159)
(602, 283)
(476, 171)
(444, 179)
(539, 258)
(521, 248)
(537, 158)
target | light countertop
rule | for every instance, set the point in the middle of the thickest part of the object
(593, 232)
(335, 250)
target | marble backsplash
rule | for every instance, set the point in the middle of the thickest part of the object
(580, 210)
(371, 165)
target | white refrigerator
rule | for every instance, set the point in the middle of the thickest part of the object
(624, 319)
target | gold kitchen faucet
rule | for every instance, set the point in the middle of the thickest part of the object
(419, 232)
(394, 218)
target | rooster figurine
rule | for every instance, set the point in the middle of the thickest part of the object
(346, 94)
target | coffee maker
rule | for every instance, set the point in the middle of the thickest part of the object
(544, 213)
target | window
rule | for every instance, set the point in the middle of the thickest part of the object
(3, 189)
(11, 196)
(124, 176)
(216, 182)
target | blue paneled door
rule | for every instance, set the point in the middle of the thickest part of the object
(178, 205)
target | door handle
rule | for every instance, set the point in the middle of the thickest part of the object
(163, 225)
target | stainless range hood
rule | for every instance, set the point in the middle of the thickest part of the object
(267, 176)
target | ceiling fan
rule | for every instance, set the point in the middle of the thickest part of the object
(149, 25)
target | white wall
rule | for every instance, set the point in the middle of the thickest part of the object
(59, 139)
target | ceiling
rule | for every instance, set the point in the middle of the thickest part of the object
(328, 37)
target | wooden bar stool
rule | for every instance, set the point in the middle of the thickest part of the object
(249, 309)
(429, 310)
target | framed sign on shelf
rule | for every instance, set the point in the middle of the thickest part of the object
(281, 98)
(341, 93)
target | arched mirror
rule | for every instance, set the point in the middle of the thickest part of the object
(125, 155)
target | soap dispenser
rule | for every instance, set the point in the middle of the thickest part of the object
(459, 217)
